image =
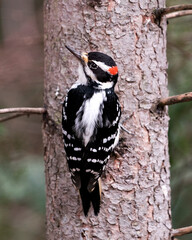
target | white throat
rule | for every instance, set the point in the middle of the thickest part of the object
(82, 78)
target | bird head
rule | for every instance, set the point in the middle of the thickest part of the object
(99, 69)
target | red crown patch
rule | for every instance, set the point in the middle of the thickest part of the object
(113, 70)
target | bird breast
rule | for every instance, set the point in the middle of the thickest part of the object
(89, 116)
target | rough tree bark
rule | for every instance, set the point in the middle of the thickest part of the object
(136, 189)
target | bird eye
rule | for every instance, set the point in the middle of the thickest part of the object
(93, 65)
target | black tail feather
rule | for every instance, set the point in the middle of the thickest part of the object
(95, 198)
(86, 200)
(90, 197)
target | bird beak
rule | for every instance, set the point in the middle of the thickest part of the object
(83, 57)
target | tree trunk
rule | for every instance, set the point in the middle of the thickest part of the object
(136, 189)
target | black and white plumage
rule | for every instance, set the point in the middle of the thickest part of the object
(90, 122)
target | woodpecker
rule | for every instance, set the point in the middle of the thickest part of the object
(90, 124)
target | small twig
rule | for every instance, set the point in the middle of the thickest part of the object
(186, 97)
(172, 9)
(181, 231)
(20, 112)
(4, 119)
(124, 129)
(176, 8)
(160, 12)
(23, 110)
(179, 14)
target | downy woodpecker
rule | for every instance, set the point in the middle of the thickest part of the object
(90, 123)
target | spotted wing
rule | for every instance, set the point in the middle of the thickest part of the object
(73, 145)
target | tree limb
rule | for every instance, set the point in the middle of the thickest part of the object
(179, 14)
(177, 8)
(186, 97)
(20, 112)
(181, 231)
(23, 110)
(172, 9)
(160, 12)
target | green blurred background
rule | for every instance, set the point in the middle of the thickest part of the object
(22, 186)
(179, 49)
